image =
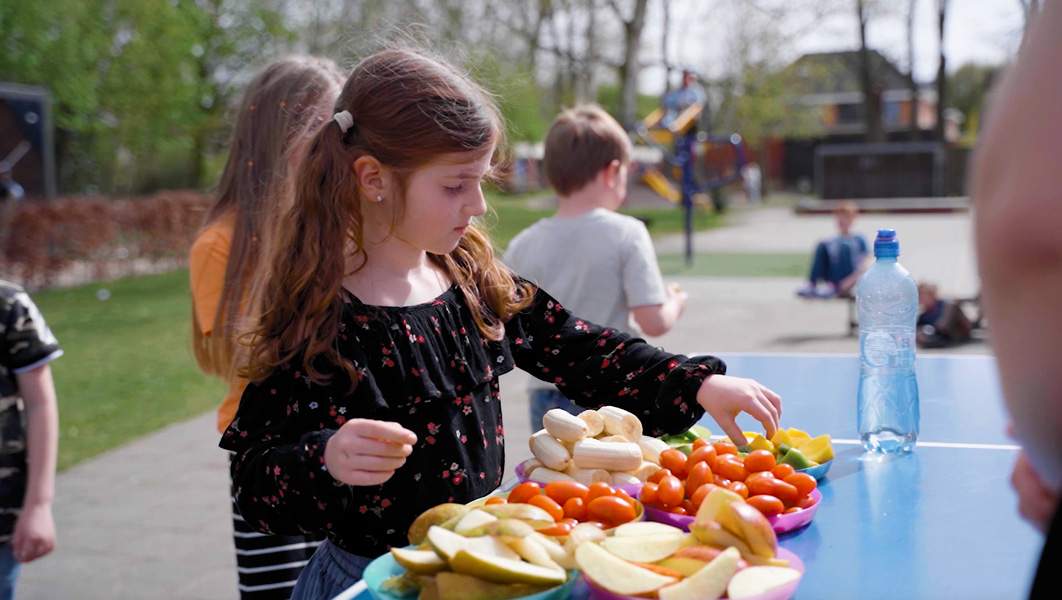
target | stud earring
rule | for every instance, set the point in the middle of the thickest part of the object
(379, 198)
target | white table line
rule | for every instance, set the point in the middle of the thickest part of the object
(352, 591)
(945, 445)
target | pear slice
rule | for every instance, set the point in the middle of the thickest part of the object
(436, 515)
(643, 528)
(458, 586)
(447, 544)
(505, 570)
(644, 548)
(683, 564)
(421, 562)
(708, 583)
(754, 581)
(535, 516)
(615, 574)
(557, 552)
(473, 519)
(533, 552)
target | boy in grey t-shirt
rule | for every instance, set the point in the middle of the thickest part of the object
(597, 263)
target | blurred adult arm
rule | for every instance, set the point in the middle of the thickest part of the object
(1015, 188)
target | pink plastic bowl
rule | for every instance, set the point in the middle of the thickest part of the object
(781, 523)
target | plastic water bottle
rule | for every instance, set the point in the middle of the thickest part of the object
(887, 302)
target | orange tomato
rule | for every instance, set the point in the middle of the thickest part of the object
(678, 510)
(557, 529)
(805, 502)
(704, 454)
(687, 505)
(549, 505)
(575, 508)
(611, 510)
(786, 492)
(495, 500)
(623, 494)
(758, 461)
(524, 492)
(722, 448)
(700, 473)
(700, 443)
(699, 494)
(731, 467)
(766, 504)
(792, 510)
(803, 482)
(674, 461)
(597, 490)
(760, 483)
(658, 475)
(561, 491)
(783, 471)
(670, 492)
(720, 481)
(739, 488)
(648, 495)
(597, 524)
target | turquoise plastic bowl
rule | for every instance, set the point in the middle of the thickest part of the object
(819, 471)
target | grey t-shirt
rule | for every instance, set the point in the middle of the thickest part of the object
(599, 265)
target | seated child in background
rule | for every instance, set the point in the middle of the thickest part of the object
(940, 322)
(839, 261)
(599, 264)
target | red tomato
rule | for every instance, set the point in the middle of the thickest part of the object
(739, 488)
(761, 483)
(687, 505)
(783, 471)
(561, 491)
(678, 510)
(720, 481)
(495, 500)
(557, 529)
(758, 461)
(705, 454)
(549, 505)
(803, 482)
(524, 492)
(670, 491)
(597, 490)
(700, 473)
(731, 467)
(699, 494)
(805, 502)
(674, 461)
(786, 492)
(722, 448)
(792, 510)
(700, 443)
(766, 504)
(658, 475)
(648, 495)
(611, 510)
(575, 508)
(623, 494)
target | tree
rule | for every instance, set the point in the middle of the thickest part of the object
(967, 88)
(629, 68)
(871, 89)
(942, 73)
(913, 86)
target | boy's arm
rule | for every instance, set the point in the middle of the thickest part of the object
(655, 307)
(657, 319)
(34, 534)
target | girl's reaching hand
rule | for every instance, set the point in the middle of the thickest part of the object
(723, 397)
(367, 452)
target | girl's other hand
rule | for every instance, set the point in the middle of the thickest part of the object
(367, 452)
(1036, 502)
(724, 397)
(34, 534)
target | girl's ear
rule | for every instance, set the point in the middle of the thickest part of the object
(374, 180)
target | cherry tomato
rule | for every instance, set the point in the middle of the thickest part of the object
(722, 448)
(700, 473)
(705, 454)
(658, 475)
(495, 500)
(786, 492)
(598, 490)
(806, 502)
(611, 510)
(700, 443)
(720, 481)
(700, 493)
(731, 467)
(569, 521)
(670, 491)
(803, 482)
(792, 510)
(524, 492)
(758, 461)
(648, 495)
(739, 488)
(687, 505)
(549, 505)
(561, 491)
(783, 471)
(674, 461)
(597, 524)
(557, 529)
(575, 508)
(623, 494)
(678, 510)
(766, 504)
(761, 483)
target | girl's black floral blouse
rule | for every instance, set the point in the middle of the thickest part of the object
(428, 367)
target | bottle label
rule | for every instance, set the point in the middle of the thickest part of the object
(878, 348)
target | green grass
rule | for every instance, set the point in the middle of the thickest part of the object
(128, 367)
(737, 265)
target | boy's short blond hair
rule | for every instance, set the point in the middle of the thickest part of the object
(846, 207)
(581, 142)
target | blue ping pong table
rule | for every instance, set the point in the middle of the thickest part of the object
(938, 523)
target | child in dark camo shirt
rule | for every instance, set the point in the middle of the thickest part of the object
(29, 431)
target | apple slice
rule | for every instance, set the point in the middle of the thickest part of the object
(713, 534)
(715, 502)
(447, 544)
(421, 562)
(755, 529)
(708, 583)
(643, 528)
(532, 551)
(556, 551)
(686, 565)
(753, 581)
(473, 519)
(505, 570)
(535, 516)
(644, 548)
(615, 574)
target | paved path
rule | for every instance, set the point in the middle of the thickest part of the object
(150, 519)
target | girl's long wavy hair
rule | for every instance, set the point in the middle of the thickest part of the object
(280, 107)
(409, 110)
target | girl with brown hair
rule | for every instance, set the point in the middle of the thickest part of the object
(281, 106)
(383, 321)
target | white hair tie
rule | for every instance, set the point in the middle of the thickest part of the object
(344, 119)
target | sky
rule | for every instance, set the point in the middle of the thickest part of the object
(984, 31)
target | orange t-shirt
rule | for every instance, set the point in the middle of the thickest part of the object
(209, 257)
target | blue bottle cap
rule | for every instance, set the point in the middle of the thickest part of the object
(886, 245)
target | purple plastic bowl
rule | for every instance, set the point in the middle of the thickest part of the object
(633, 489)
(781, 523)
(782, 593)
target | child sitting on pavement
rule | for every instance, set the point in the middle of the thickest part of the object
(616, 275)
(839, 261)
(941, 322)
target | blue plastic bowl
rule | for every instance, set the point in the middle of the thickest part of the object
(819, 471)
